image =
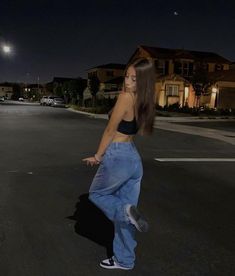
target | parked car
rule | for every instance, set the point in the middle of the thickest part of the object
(58, 102)
(47, 100)
(2, 99)
(44, 100)
(21, 99)
(50, 100)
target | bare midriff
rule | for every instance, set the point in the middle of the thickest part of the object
(120, 137)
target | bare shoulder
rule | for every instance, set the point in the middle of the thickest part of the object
(125, 96)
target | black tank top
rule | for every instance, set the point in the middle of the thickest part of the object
(126, 127)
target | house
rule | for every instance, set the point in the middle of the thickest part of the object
(232, 66)
(111, 77)
(33, 91)
(61, 86)
(6, 90)
(174, 71)
(223, 89)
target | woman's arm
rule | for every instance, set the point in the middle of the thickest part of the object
(119, 110)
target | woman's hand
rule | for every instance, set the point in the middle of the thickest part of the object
(91, 161)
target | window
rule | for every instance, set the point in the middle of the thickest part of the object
(218, 67)
(162, 66)
(91, 74)
(205, 66)
(172, 90)
(178, 68)
(183, 68)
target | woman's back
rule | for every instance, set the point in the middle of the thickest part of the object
(128, 125)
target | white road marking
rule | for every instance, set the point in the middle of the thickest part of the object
(195, 159)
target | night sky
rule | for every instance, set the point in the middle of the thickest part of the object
(65, 38)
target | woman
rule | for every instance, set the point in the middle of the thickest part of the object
(115, 188)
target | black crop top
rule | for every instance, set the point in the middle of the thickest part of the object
(127, 127)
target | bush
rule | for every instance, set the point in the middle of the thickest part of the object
(174, 107)
(102, 105)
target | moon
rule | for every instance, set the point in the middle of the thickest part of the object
(176, 13)
(6, 49)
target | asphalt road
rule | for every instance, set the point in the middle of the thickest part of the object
(48, 227)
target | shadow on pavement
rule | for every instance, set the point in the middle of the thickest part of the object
(93, 224)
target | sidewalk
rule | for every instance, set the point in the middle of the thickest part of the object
(167, 119)
(167, 123)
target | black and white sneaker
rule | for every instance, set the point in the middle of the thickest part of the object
(111, 264)
(137, 219)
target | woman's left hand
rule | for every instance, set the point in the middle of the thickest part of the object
(91, 161)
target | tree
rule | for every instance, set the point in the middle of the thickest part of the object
(93, 85)
(49, 87)
(59, 91)
(73, 89)
(16, 92)
(81, 85)
(200, 82)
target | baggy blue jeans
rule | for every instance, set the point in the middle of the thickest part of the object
(116, 184)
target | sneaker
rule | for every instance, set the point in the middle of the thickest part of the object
(111, 264)
(137, 219)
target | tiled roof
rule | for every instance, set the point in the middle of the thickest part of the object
(157, 52)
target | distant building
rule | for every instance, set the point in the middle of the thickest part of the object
(175, 68)
(111, 77)
(6, 90)
(33, 91)
(52, 86)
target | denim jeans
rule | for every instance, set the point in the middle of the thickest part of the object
(115, 185)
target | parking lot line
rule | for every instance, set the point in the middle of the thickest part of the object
(195, 159)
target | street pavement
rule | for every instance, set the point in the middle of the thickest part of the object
(49, 228)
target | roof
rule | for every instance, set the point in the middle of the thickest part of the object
(110, 66)
(224, 75)
(166, 53)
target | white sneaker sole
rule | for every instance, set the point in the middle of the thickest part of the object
(115, 267)
(137, 219)
(106, 264)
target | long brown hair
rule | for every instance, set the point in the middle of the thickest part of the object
(145, 94)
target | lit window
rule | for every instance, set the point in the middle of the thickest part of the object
(172, 90)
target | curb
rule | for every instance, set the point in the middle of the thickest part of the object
(162, 118)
